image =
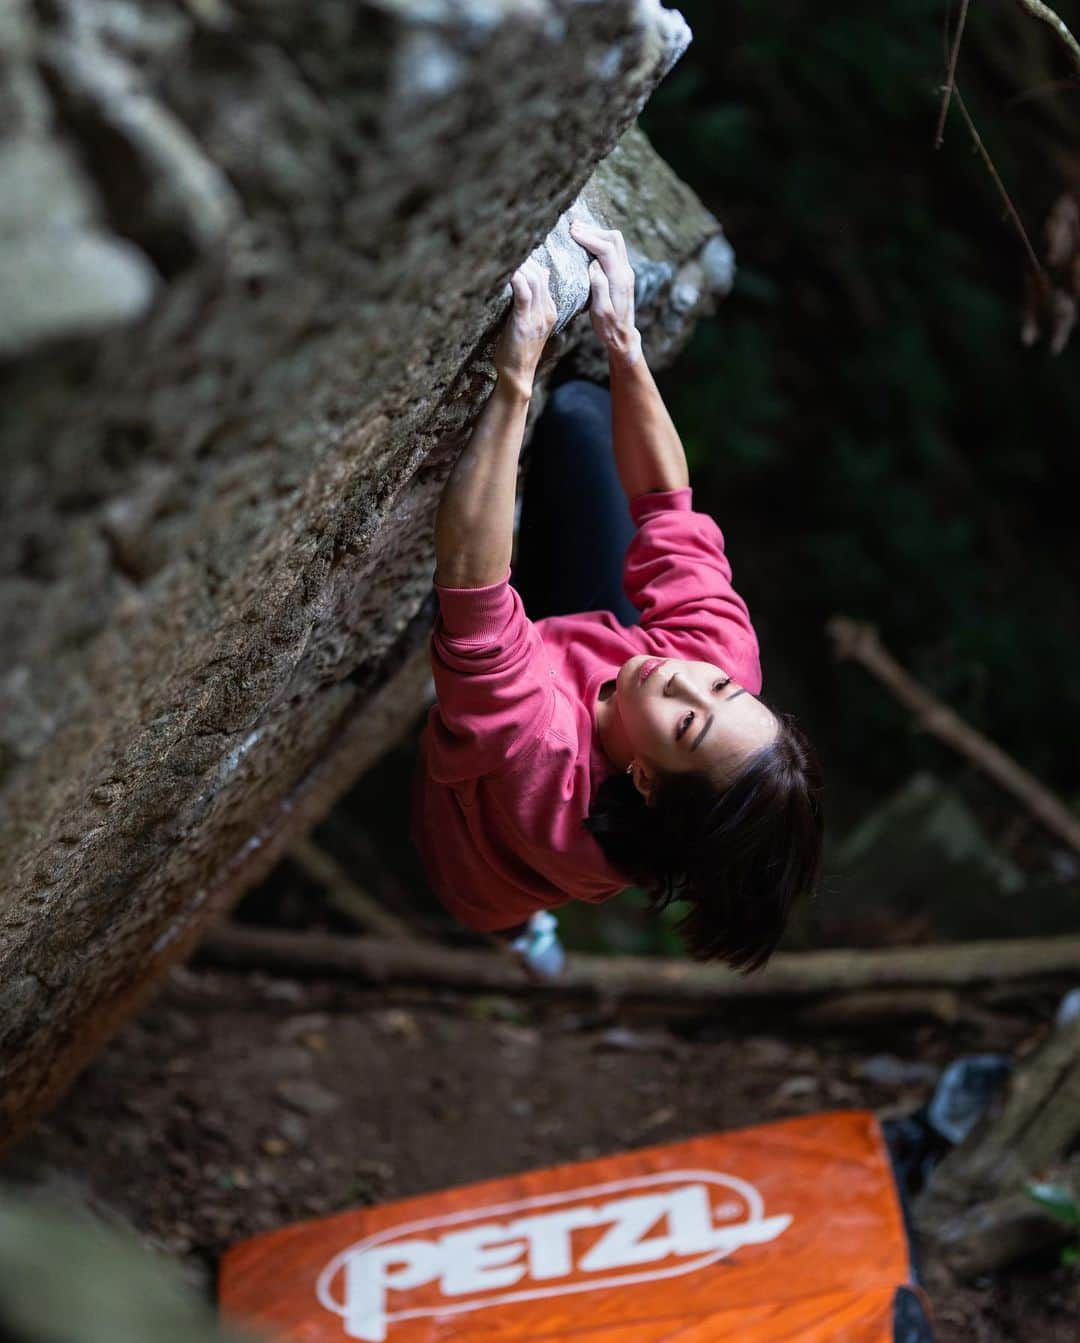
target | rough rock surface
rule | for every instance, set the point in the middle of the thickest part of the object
(253, 258)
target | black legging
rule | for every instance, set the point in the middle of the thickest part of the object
(575, 521)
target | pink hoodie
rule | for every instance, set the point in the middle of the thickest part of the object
(510, 754)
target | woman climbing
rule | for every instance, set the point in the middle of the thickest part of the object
(598, 721)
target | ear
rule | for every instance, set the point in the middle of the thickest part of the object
(644, 781)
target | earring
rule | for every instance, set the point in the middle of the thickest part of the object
(630, 768)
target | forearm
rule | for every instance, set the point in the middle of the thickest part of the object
(474, 525)
(648, 451)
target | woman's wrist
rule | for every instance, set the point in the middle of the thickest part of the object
(624, 350)
(513, 385)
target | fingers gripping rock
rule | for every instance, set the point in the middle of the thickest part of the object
(568, 264)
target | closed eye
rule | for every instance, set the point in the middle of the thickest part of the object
(688, 718)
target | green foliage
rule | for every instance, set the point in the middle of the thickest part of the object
(1060, 1203)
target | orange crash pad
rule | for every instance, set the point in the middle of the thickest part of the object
(784, 1233)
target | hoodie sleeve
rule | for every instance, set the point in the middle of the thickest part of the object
(678, 577)
(493, 683)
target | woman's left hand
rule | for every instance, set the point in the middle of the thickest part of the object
(528, 325)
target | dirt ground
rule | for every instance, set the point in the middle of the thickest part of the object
(239, 1103)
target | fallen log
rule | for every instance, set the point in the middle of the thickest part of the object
(992, 1235)
(806, 974)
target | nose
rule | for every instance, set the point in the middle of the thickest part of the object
(682, 687)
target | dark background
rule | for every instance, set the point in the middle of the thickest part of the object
(863, 422)
(860, 416)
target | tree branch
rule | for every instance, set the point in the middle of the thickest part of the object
(1036, 264)
(790, 975)
(950, 77)
(1038, 10)
(851, 639)
(343, 893)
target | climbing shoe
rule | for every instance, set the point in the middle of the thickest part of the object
(538, 947)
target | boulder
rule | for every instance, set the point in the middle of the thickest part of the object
(253, 261)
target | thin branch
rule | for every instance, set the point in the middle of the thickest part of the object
(860, 642)
(343, 893)
(1038, 10)
(950, 78)
(1036, 265)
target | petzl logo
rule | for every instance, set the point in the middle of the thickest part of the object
(582, 1240)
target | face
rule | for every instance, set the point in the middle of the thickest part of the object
(689, 716)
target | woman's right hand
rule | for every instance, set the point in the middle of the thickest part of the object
(611, 280)
(526, 329)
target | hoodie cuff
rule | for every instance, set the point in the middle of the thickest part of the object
(476, 615)
(661, 501)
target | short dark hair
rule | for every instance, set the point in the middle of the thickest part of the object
(740, 855)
